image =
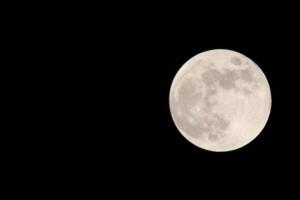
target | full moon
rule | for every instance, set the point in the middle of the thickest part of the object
(220, 100)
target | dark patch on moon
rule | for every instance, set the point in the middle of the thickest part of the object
(213, 137)
(208, 124)
(204, 124)
(236, 61)
(217, 125)
(228, 79)
(194, 130)
(246, 91)
(187, 93)
(189, 128)
(246, 75)
(220, 122)
(211, 77)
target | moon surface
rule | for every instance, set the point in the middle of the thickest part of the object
(220, 100)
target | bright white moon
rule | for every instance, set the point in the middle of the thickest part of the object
(220, 100)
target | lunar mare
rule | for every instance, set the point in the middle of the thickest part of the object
(220, 100)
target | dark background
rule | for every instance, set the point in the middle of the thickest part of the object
(95, 97)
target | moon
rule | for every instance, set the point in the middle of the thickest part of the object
(220, 100)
